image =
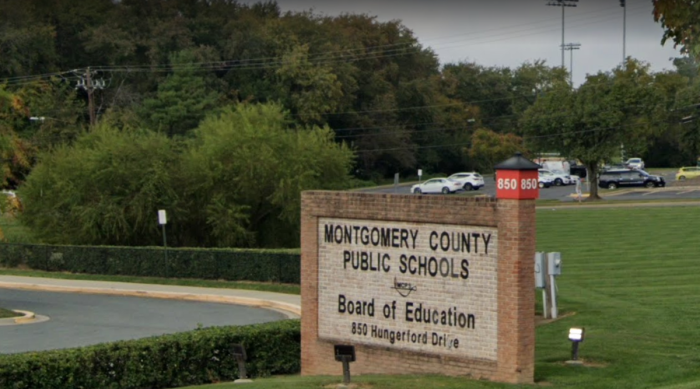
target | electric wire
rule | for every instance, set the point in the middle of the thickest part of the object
(264, 63)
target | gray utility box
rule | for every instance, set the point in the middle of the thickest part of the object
(554, 263)
(540, 271)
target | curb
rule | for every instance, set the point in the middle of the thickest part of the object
(291, 310)
(27, 317)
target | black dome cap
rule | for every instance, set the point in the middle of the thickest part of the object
(517, 162)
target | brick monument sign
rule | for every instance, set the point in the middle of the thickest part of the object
(422, 284)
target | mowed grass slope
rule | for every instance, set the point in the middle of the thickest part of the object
(631, 277)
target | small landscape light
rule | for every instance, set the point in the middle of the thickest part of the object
(575, 336)
(238, 352)
(346, 354)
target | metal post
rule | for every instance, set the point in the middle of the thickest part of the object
(574, 351)
(624, 30)
(544, 303)
(562, 4)
(346, 369)
(91, 104)
(165, 250)
(241, 368)
(571, 47)
(553, 290)
(562, 36)
(571, 66)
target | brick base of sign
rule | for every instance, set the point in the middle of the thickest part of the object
(418, 284)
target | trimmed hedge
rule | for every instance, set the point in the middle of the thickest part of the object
(282, 266)
(190, 358)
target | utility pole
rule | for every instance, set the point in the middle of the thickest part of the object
(89, 84)
(563, 4)
(624, 30)
(571, 47)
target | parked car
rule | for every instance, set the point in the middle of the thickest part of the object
(635, 163)
(685, 173)
(437, 185)
(613, 179)
(558, 177)
(575, 169)
(545, 181)
(572, 178)
(617, 166)
(468, 180)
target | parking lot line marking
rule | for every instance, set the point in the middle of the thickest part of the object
(686, 191)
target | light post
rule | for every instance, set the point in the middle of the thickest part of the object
(163, 220)
(563, 4)
(576, 336)
(624, 29)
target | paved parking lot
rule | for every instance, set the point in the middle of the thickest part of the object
(567, 193)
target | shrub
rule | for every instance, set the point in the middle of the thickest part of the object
(190, 358)
(225, 264)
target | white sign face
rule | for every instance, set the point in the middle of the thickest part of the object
(420, 287)
(162, 219)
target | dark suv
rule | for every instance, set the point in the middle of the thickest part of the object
(612, 179)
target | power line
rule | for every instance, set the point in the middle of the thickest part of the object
(271, 62)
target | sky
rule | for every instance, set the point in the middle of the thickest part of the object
(510, 32)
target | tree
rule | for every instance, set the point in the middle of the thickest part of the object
(15, 152)
(309, 90)
(488, 148)
(591, 123)
(104, 189)
(688, 122)
(183, 99)
(243, 173)
(26, 41)
(679, 19)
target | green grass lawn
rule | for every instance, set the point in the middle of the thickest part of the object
(631, 277)
(5, 313)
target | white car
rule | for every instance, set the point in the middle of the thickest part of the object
(437, 185)
(558, 177)
(468, 180)
(544, 181)
(635, 163)
(571, 177)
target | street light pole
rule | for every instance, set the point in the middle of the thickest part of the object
(562, 4)
(624, 30)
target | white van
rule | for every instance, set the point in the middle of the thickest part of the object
(556, 165)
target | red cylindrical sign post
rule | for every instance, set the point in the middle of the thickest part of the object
(517, 178)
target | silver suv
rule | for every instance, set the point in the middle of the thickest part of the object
(468, 180)
(635, 163)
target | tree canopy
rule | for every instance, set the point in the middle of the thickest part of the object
(199, 82)
(592, 122)
(224, 186)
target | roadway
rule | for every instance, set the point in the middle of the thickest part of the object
(84, 319)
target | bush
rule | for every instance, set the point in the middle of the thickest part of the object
(189, 358)
(281, 266)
